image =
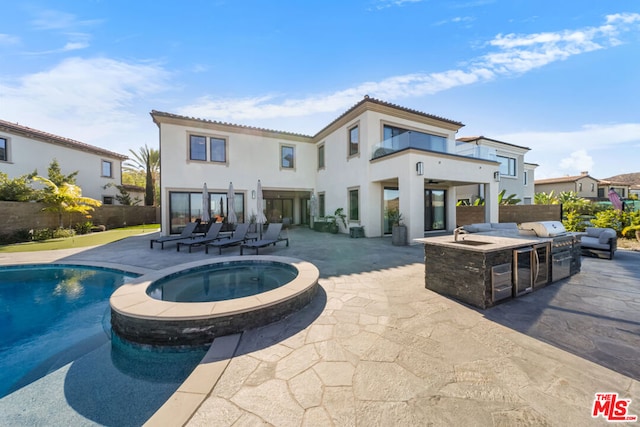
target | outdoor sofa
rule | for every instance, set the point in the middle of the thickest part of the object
(598, 240)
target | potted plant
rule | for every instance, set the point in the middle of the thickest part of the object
(398, 229)
(338, 215)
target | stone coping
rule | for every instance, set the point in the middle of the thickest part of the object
(131, 299)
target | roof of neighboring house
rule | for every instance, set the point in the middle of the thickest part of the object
(28, 132)
(563, 179)
(611, 182)
(478, 138)
(136, 188)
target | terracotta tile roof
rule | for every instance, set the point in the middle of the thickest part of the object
(252, 128)
(562, 179)
(367, 99)
(28, 132)
(477, 138)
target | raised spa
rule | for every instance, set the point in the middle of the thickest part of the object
(191, 304)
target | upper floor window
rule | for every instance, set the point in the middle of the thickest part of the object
(593, 187)
(354, 205)
(107, 169)
(525, 179)
(579, 186)
(218, 150)
(4, 150)
(321, 156)
(507, 166)
(287, 157)
(354, 140)
(198, 149)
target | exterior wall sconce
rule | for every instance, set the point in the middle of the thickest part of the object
(420, 168)
(253, 194)
(496, 176)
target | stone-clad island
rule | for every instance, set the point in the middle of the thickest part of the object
(483, 269)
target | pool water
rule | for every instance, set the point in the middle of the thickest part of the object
(57, 355)
(222, 281)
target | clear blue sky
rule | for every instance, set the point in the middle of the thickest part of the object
(559, 77)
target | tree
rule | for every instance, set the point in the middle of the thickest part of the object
(55, 174)
(66, 198)
(17, 189)
(147, 159)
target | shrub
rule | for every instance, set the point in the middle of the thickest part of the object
(63, 233)
(83, 228)
(42, 234)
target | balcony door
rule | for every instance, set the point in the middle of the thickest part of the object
(435, 213)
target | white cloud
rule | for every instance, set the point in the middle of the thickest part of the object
(577, 161)
(100, 95)
(56, 20)
(7, 39)
(515, 54)
(383, 4)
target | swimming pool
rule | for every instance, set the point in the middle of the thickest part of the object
(222, 281)
(149, 310)
(45, 309)
(59, 364)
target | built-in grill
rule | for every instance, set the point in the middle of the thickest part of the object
(561, 245)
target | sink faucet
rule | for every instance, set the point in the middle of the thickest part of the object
(458, 231)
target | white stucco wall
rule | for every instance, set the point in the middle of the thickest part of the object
(249, 157)
(27, 155)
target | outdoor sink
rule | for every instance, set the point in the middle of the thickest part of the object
(471, 242)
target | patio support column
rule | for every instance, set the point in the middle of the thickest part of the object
(451, 201)
(491, 210)
(411, 189)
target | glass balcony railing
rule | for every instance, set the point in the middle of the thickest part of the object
(438, 144)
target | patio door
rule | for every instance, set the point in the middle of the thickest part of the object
(390, 200)
(435, 213)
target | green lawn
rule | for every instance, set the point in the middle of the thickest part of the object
(91, 239)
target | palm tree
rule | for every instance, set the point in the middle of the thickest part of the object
(66, 198)
(148, 160)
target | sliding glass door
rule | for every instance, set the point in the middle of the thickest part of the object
(435, 214)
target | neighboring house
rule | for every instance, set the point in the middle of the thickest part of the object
(516, 176)
(136, 193)
(23, 150)
(634, 189)
(604, 185)
(584, 185)
(374, 156)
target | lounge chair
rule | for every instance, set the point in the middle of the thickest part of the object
(187, 233)
(270, 237)
(213, 234)
(238, 237)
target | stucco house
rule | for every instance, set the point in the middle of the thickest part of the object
(584, 185)
(516, 175)
(23, 150)
(374, 156)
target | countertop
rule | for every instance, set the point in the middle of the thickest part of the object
(484, 242)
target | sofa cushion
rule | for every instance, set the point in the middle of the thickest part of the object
(594, 243)
(504, 225)
(478, 227)
(606, 234)
(593, 231)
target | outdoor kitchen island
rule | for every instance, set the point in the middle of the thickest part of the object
(483, 269)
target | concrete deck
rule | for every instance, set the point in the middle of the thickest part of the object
(377, 348)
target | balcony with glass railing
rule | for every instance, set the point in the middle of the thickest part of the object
(432, 143)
